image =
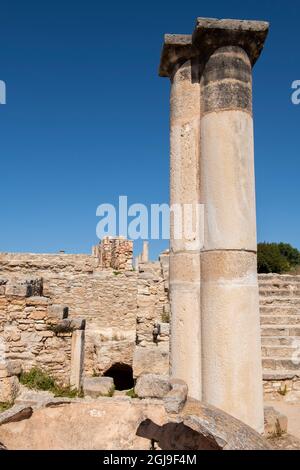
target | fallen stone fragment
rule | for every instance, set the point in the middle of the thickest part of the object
(95, 387)
(15, 414)
(152, 386)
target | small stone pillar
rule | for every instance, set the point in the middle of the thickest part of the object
(232, 367)
(183, 71)
(145, 252)
(77, 359)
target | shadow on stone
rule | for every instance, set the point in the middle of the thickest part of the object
(175, 436)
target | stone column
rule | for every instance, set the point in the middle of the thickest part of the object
(145, 252)
(77, 359)
(231, 361)
(178, 63)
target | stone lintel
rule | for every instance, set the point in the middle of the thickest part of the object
(176, 48)
(211, 34)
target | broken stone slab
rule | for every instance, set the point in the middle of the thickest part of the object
(9, 387)
(175, 400)
(24, 287)
(152, 386)
(33, 398)
(15, 414)
(202, 427)
(95, 387)
(276, 423)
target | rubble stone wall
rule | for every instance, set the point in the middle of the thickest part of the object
(28, 336)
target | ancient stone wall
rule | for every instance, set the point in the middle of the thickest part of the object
(105, 298)
(152, 351)
(29, 333)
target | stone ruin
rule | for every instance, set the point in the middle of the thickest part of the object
(202, 317)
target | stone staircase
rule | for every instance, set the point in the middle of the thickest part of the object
(280, 327)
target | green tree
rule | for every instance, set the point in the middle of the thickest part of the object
(270, 260)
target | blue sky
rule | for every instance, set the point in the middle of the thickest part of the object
(87, 117)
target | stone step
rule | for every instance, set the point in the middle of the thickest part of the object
(280, 351)
(280, 375)
(279, 301)
(280, 320)
(279, 292)
(279, 363)
(278, 340)
(271, 310)
(287, 278)
(281, 330)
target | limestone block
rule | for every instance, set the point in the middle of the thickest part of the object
(175, 400)
(9, 388)
(24, 287)
(152, 386)
(95, 387)
(10, 368)
(276, 423)
(151, 360)
(58, 312)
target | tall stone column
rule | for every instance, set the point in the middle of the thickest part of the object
(182, 68)
(231, 361)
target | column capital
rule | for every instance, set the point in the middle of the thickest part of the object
(176, 48)
(211, 34)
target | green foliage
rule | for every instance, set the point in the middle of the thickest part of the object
(110, 393)
(277, 258)
(5, 406)
(165, 317)
(117, 273)
(37, 379)
(131, 393)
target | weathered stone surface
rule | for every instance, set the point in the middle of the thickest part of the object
(152, 386)
(175, 399)
(150, 360)
(210, 34)
(33, 398)
(9, 388)
(107, 424)
(202, 427)
(276, 423)
(10, 368)
(24, 287)
(15, 414)
(95, 387)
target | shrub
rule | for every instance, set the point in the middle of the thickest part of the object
(37, 379)
(5, 406)
(131, 393)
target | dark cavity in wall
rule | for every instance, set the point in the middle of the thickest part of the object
(122, 375)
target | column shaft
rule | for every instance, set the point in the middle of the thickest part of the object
(185, 362)
(231, 361)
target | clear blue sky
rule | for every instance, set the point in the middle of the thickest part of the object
(87, 116)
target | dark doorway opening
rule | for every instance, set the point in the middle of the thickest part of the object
(122, 375)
